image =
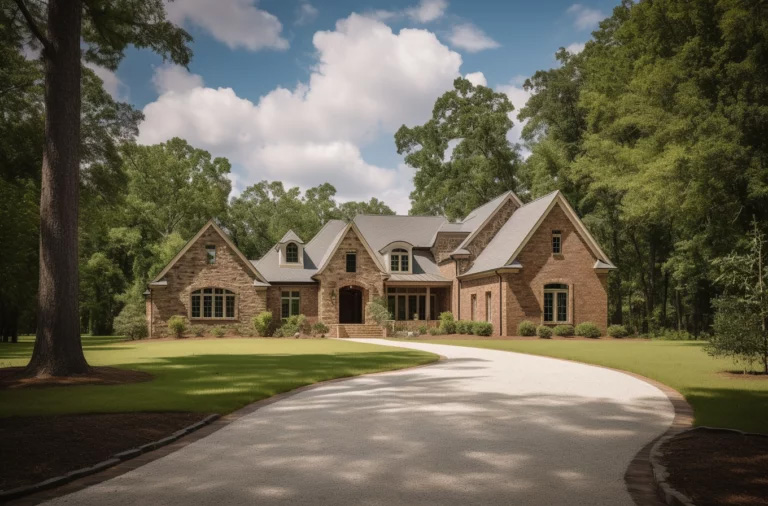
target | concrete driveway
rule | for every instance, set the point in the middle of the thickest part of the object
(482, 427)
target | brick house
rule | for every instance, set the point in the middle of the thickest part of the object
(504, 263)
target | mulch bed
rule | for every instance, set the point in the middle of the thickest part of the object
(11, 377)
(719, 468)
(472, 337)
(33, 449)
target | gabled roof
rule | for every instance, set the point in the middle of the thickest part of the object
(423, 269)
(512, 237)
(337, 241)
(476, 220)
(382, 230)
(211, 224)
(290, 236)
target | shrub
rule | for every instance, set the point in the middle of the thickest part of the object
(197, 330)
(434, 331)
(262, 323)
(217, 332)
(563, 330)
(177, 325)
(447, 324)
(320, 329)
(423, 329)
(131, 322)
(543, 331)
(378, 311)
(588, 329)
(292, 325)
(526, 328)
(482, 328)
(463, 327)
(617, 331)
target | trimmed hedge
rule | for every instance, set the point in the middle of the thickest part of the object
(588, 329)
(563, 330)
(482, 328)
(618, 331)
(543, 331)
(464, 327)
(526, 328)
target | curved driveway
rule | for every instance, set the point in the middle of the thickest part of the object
(482, 427)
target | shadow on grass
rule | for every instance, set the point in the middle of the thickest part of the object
(743, 409)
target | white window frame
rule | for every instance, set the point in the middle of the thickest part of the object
(557, 303)
(298, 252)
(290, 296)
(215, 293)
(396, 257)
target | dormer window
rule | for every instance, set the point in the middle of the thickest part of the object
(399, 260)
(292, 253)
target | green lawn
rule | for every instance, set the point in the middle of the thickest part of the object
(717, 399)
(214, 376)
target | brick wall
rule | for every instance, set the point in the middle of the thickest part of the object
(479, 287)
(193, 272)
(368, 277)
(308, 297)
(574, 267)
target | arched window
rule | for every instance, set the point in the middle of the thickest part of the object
(556, 303)
(213, 303)
(292, 253)
(399, 260)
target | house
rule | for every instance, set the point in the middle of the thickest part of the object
(504, 263)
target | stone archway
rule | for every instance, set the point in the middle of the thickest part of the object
(351, 304)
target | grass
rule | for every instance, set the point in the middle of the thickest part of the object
(209, 376)
(718, 399)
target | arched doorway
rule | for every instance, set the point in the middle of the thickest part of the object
(350, 305)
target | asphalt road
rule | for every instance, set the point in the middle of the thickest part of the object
(481, 427)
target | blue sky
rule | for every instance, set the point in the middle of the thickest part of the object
(309, 91)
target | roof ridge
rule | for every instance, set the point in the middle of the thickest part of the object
(539, 198)
(403, 215)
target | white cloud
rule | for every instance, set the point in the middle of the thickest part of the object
(236, 23)
(112, 84)
(519, 97)
(585, 18)
(471, 38)
(366, 83)
(427, 10)
(476, 78)
(575, 48)
(306, 13)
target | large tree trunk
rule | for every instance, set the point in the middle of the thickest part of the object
(58, 350)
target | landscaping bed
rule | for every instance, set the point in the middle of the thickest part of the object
(35, 448)
(719, 467)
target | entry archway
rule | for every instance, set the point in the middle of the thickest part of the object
(350, 304)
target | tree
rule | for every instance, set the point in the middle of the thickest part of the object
(474, 121)
(741, 317)
(348, 210)
(106, 27)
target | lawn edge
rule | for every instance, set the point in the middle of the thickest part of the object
(114, 466)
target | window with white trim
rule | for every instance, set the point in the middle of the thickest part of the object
(292, 253)
(290, 303)
(556, 303)
(557, 242)
(399, 260)
(212, 303)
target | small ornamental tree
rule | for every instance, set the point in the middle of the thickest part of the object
(741, 313)
(378, 311)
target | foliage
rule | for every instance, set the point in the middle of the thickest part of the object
(434, 331)
(320, 329)
(197, 330)
(482, 328)
(587, 329)
(463, 327)
(131, 322)
(474, 121)
(177, 325)
(563, 330)
(447, 323)
(378, 311)
(296, 324)
(218, 331)
(262, 323)
(526, 328)
(543, 331)
(422, 329)
(617, 331)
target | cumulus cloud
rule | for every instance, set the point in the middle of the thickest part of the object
(236, 23)
(367, 81)
(427, 10)
(112, 84)
(306, 13)
(476, 78)
(585, 18)
(575, 48)
(471, 38)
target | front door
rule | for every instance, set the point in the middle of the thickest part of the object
(350, 305)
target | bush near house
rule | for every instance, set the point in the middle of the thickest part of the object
(320, 329)
(131, 322)
(617, 331)
(434, 331)
(177, 325)
(563, 330)
(588, 329)
(262, 323)
(463, 327)
(482, 328)
(544, 332)
(292, 325)
(379, 312)
(217, 332)
(526, 328)
(447, 323)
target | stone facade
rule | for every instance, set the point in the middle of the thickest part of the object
(487, 233)
(368, 278)
(192, 272)
(445, 244)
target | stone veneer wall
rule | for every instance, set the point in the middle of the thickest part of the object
(574, 267)
(193, 272)
(487, 233)
(445, 244)
(368, 277)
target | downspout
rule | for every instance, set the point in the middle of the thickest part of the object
(458, 291)
(501, 318)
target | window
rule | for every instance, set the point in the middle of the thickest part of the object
(398, 260)
(555, 303)
(210, 252)
(292, 253)
(289, 304)
(214, 303)
(473, 307)
(556, 242)
(403, 303)
(487, 306)
(351, 261)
